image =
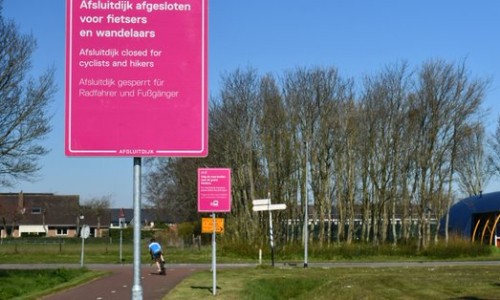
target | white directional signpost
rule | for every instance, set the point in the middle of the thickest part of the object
(266, 205)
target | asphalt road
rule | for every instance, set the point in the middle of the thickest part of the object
(119, 284)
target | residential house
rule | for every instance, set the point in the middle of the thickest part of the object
(47, 214)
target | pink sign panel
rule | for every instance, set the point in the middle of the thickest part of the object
(136, 78)
(214, 190)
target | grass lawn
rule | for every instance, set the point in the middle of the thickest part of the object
(460, 282)
(33, 284)
(101, 253)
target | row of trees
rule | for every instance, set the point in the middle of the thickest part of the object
(396, 146)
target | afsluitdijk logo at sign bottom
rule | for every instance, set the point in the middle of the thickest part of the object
(136, 152)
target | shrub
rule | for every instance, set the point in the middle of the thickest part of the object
(457, 248)
(292, 252)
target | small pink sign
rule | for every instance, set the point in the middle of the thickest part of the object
(214, 190)
(136, 78)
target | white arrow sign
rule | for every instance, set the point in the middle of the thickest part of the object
(261, 202)
(269, 207)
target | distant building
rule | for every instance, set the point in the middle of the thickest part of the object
(476, 218)
(149, 217)
(38, 214)
(50, 215)
(46, 214)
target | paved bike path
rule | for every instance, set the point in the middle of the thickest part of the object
(119, 284)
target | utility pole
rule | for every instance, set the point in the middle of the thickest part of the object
(306, 212)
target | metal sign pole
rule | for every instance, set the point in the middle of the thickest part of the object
(121, 245)
(136, 288)
(306, 213)
(81, 256)
(266, 205)
(214, 265)
(85, 233)
(271, 238)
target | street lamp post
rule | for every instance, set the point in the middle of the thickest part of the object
(306, 213)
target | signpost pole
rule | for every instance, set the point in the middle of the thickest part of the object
(266, 205)
(306, 214)
(214, 195)
(214, 265)
(136, 288)
(84, 234)
(271, 238)
(121, 221)
(121, 245)
(81, 256)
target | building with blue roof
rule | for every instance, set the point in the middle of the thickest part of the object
(476, 218)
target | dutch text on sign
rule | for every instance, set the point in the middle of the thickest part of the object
(214, 190)
(207, 225)
(136, 69)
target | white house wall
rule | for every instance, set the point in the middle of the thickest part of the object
(31, 229)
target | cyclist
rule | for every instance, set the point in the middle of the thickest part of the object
(157, 255)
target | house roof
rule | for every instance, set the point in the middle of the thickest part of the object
(27, 208)
(65, 210)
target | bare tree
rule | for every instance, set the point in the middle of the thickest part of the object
(494, 154)
(394, 152)
(96, 207)
(170, 187)
(446, 102)
(471, 167)
(235, 131)
(24, 106)
(279, 155)
(303, 113)
(385, 102)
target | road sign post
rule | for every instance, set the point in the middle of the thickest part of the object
(214, 195)
(136, 85)
(266, 205)
(214, 259)
(85, 233)
(214, 190)
(121, 223)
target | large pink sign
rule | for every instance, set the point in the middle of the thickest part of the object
(136, 78)
(214, 190)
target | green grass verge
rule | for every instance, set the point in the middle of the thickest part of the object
(94, 253)
(461, 282)
(33, 284)
(50, 250)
